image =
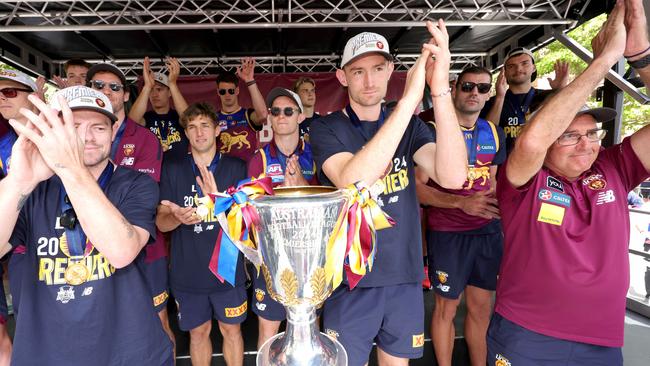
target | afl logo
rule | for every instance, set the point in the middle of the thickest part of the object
(545, 194)
(100, 103)
(380, 45)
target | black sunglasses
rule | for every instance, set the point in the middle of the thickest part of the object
(99, 85)
(468, 86)
(13, 92)
(223, 91)
(288, 111)
(68, 219)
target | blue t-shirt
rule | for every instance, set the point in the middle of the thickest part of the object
(168, 130)
(516, 110)
(192, 245)
(107, 320)
(398, 258)
(6, 143)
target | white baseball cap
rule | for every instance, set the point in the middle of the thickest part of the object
(282, 92)
(83, 97)
(363, 43)
(161, 78)
(19, 77)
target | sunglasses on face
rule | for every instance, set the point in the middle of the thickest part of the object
(288, 111)
(223, 91)
(468, 86)
(573, 138)
(13, 92)
(99, 85)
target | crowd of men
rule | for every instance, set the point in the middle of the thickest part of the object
(107, 213)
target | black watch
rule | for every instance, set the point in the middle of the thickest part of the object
(640, 63)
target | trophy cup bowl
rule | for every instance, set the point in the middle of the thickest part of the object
(295, 225)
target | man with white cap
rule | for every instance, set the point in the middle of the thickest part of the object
(366, 142)
(564, 213)
(84, 223)
(163, 120)
(515, 94)
(288, 160)
(137, 148)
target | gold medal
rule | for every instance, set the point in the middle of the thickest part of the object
(76, 274)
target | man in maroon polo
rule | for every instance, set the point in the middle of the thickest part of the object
(565, 272)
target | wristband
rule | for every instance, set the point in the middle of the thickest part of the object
(640, 63)
(441, 94)
(249, 83)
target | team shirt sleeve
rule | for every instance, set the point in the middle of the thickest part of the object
(500, 157)
(627, 163)
(325, 142)
(424, 133)
(165, 182)
(140, 203)
(153, 157)
(249, 113)
(255, 166)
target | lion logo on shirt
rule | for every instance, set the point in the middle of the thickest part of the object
(228, 141)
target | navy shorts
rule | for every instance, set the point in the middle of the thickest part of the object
(228, 306)
(391, 316)
(461, 259)
(511, 344)
(157, 275)
(264, 306)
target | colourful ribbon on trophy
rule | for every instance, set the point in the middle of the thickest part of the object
(351, 246)
(241, 215)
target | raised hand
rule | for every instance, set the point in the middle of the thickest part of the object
(60, 144)
(610, 42)
(174, 68)
(246, 71)
(147, 74)
(637, 29)
(28, 168)
(437, 64)
(501, 85)
(206, 181)
(561, 75)
(60, 82)
(40, 88)
(184, 215)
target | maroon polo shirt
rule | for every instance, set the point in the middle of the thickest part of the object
(139, 149)
(565, 270)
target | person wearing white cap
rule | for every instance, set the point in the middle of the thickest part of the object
(564, 213)
(15, 86)
(367, 142)
(84, 223)
(163, 120)
(515, 94)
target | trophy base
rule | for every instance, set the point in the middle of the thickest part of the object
(323, 351)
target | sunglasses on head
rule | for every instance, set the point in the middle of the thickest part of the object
(99, 85)
(468, 86)
(13, 92)
(223, 91)
(288, 111)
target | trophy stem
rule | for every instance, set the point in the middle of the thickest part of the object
(302, 343)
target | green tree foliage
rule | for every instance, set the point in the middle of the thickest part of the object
(635, 115)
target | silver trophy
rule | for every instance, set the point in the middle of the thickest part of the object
(295, 225)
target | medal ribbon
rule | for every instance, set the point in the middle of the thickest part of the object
(352, 247)
(118, 138)
(241, 218)
(76, 238)
(356, 122)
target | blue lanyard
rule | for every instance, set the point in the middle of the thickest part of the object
(523, 108)
(76, 237)
(471, 145)
(118, 138)
(212, 168)
(6, 143)
(357, 123)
